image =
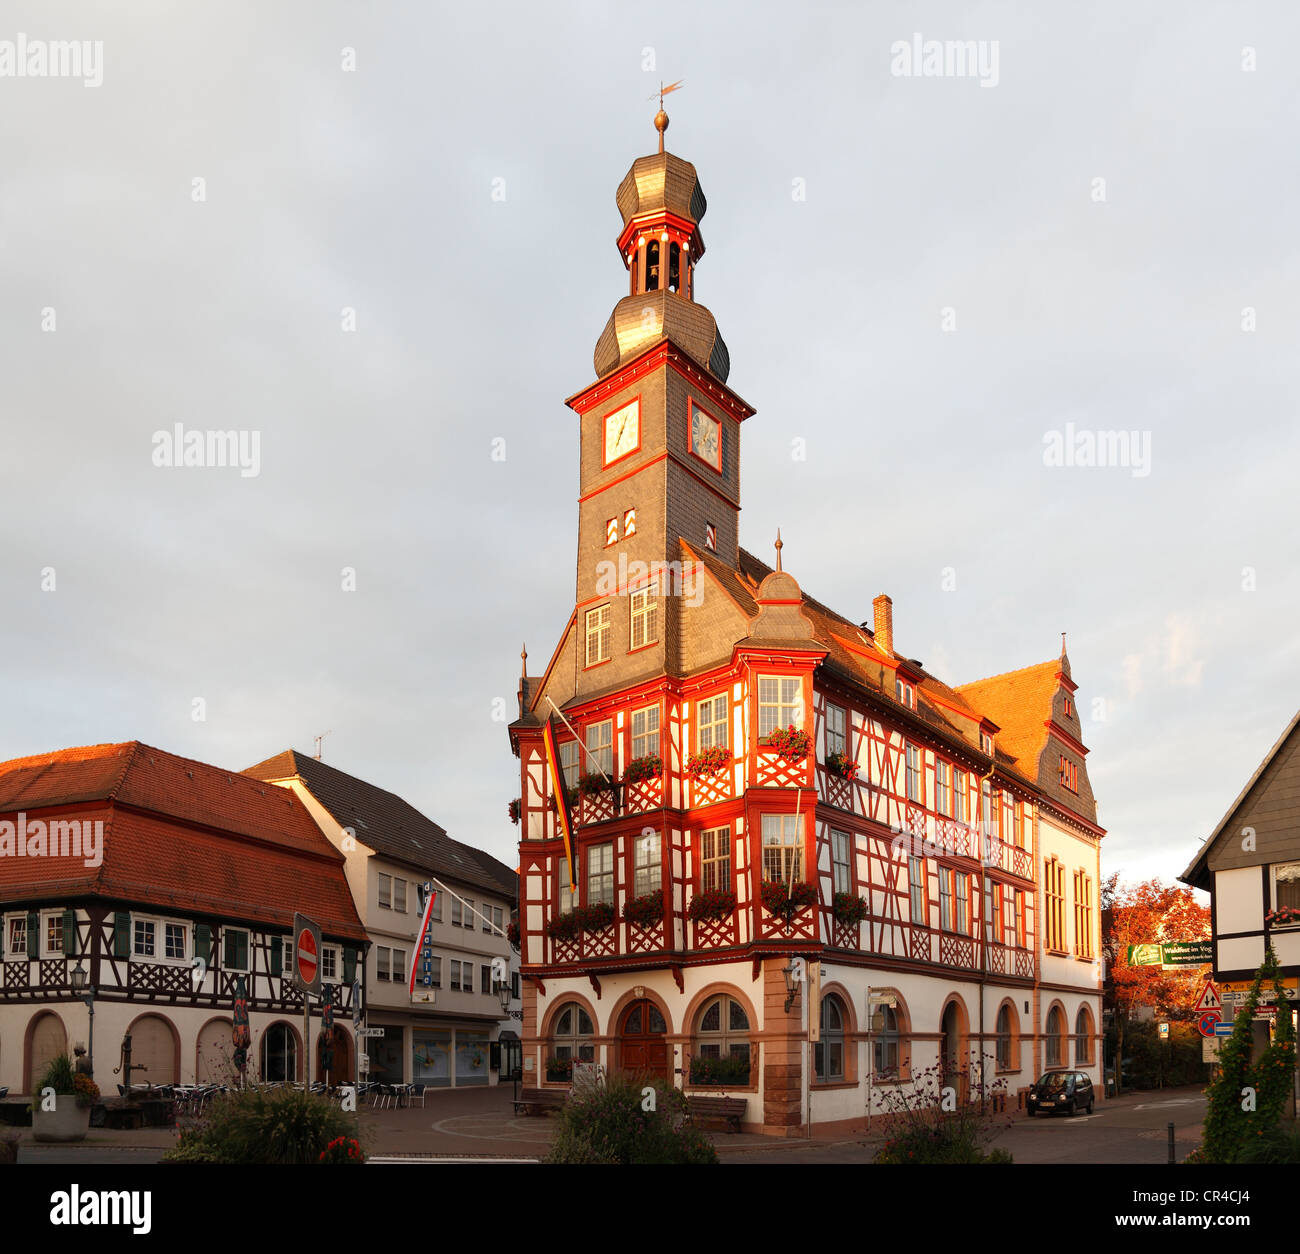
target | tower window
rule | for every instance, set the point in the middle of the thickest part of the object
(611, 532)
(710, 536)
(644, 620)
(629, 523)
(599, 632)
(652, 266)
(674, 267)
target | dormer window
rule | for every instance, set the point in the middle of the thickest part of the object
(1068, 708)
(986, 743)
(1069, 774)
(905, 693)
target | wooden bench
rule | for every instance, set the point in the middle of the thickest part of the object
(539, 1101)
(729, 1109)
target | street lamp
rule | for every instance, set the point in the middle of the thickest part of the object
(791, 985)
(503, 994)
(81, 986)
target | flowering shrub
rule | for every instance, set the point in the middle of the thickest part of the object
(592, 785)
(849, 908)
(646, 910)
(934, 1130)
(559, 1068)
(649, 767)
(512, 934)
(343, 1149)
(514, 810)
(715, 903)
(86, 1089)
(842, 765)
(564, 927)
(790, 742)
(733, 1069)
(708, 762)
(784, 902)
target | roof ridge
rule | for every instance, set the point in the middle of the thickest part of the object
(122, 774)
(1020, 670)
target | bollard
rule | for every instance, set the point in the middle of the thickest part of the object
(1172, 1159)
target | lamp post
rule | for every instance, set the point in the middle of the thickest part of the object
(791, 984)
(80, 986)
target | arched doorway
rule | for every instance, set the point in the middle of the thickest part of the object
(214, 1059)
(643, 1039)
(279, 1053)
(951, 1062)
(153, 1051)
(340, 1070)
(49, 1040)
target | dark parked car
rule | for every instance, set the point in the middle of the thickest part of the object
(1060, 1090)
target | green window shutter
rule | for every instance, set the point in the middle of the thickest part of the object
(33, 934)
(349, 964)
(243, 949)
(230, 953)
(277, 955)
(121, 934)
(203, 941)
(70, 933)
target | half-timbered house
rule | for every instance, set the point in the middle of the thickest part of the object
(455, 1031)
(166, 881)
(809, 919)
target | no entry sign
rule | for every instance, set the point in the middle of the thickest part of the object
(306, 954)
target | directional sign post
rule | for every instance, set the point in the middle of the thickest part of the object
(306, 977)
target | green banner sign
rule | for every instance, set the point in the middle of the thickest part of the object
(1170, 954)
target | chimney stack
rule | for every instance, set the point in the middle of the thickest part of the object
(884, 608)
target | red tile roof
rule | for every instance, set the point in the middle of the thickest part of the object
(179, 835)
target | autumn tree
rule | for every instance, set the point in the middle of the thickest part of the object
(1140, 914)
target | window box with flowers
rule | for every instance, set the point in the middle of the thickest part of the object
(785, 902)
(512, 935)
(594, 918)
(1283, 918)
(564, 927)
(849, 908)
(570, 798)
(559, 1070)
(646, 910)
(791, 743)
(842, 765)
(639, 769)
(712, 905)
(515, 808)
(708, 762)
(731, 1070)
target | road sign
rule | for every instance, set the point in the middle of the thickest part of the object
(370, 1032)
(1207, 1024)
(306, 955)
(1223, 1028)
(1164, 1031)
(1210, 1050)
(1209, 998)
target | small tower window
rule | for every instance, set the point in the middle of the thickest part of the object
(652, 266)
(674, 267)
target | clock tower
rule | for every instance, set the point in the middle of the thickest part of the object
(660, 436)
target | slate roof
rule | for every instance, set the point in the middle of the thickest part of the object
(179, 835)
(384, 822)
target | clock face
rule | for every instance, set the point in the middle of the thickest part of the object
(706, 438)
(623, 431)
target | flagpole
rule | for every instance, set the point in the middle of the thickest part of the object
(578, 738)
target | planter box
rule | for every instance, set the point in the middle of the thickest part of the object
(67, 1122)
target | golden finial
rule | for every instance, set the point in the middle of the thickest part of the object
(524, 657)
(1062, 644)
(661, 118)
(779, 546)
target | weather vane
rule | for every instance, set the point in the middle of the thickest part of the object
(661, 118)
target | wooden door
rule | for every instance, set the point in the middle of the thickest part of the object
(153, 1048)
(49, 1040)
(643, 1040)
(215, 1053)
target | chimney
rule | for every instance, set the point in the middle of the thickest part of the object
(884, 608)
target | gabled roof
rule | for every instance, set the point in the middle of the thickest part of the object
(178, 835)
(1196, 873)
(389, 825)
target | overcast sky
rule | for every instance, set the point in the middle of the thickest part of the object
(849, 207)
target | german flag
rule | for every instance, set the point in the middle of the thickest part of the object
(558, 791)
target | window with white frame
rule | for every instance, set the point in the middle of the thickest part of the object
(905, 693)
(52, 934)
(176, 941)
(963, 902)
(914, 790)
(645, 732)
(144, 943)
(780, 703)
(945, 898)
(567, 894)
(468, 920)
(711, 720)
(399, 966)
(1286, 885)
(942, 787)
(836, 740)
(329, 963)
(385, 891)
(715, 859)
(1008, 817)
(599, 635)
(600, 874)
(648, 874)
(16, 941)
(723, 1029)
(645, 618)
(600, 748)
(783, 848)
(960, 784)
(383, 963)
(569, 762)
(841, 870)
(456, 909)
(917, 890)
(399, 896)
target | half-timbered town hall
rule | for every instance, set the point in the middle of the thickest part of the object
(783, 861)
